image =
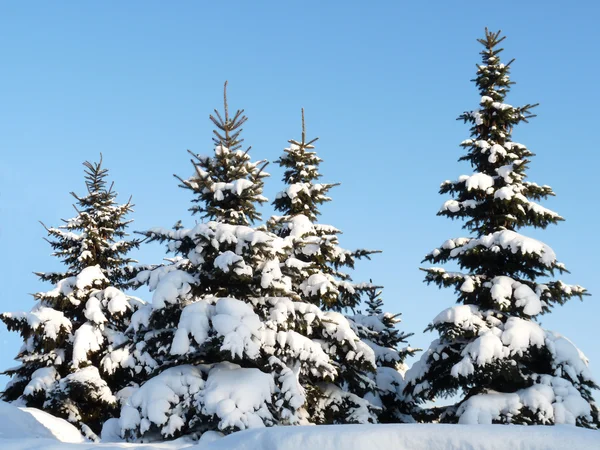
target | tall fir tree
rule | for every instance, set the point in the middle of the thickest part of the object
(491, 352)
(73, 331)
(378, 329)
(227, 343)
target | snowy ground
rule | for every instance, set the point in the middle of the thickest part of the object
(28, 429)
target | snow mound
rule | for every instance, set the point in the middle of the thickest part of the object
(60, 428)
(553, 399)
(20, 430)
(409, 437)
(19, 423)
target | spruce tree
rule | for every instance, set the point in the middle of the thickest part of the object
(227, 343)
(491, 352)
(316, 260)
(74, 331)
(378, 329)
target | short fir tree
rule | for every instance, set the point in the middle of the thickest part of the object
(378, 329)
(490, 351)
(73, 331)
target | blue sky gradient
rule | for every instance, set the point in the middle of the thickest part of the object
(381, 82)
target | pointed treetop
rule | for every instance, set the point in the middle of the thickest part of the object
(95, 176)
(225, 101)
(493, 78)
(491, 40)
(303, 128)
(228, 185)
(302, 194)
(96, 236)
(303, 145)
(374, 301)
(228, 133)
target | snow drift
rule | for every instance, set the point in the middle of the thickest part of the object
(33, 424)
(28, 429)
(410, 437)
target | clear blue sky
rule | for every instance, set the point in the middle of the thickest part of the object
(381, 82)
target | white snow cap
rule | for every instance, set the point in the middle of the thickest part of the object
(505, 239)
(235, 396)
(552, 400)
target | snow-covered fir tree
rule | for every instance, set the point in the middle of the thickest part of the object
(227, 342)
(378, 329)
(73, 331)
(316, 260)
(491, 352)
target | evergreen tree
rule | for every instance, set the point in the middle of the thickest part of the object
(74, 331)
(316, 257)
(490, 349)
(379, 331)
(227, 342)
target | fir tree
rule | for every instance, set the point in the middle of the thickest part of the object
(316, 257)
(315, 260)
(227, 342)
(73, 332)
(490, 349)
(379, 331)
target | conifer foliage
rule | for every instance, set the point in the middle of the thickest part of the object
(66, 365)
(227, 187)
(490, 349)
(228, 342)
(96, 236)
